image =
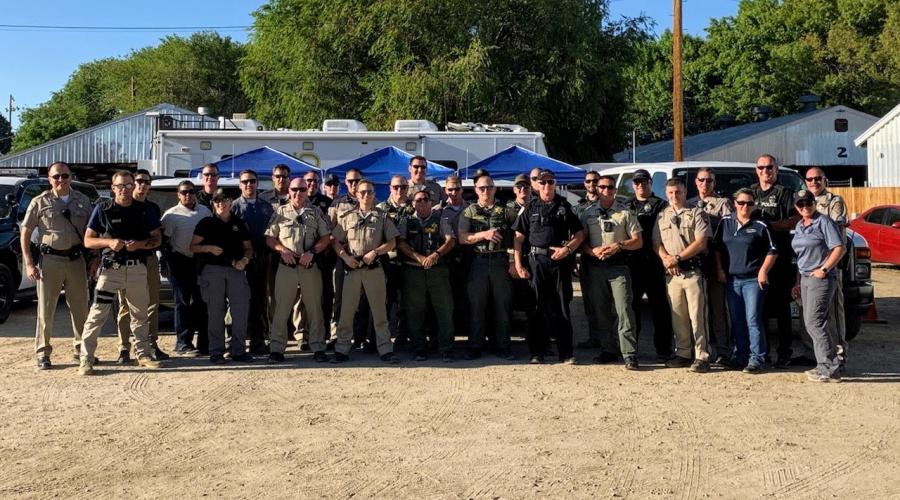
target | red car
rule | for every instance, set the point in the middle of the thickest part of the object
(880, 226)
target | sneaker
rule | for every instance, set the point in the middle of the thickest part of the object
(721, 362)
(420, 356)
(76, 357)
(124, 358)
(753, 368)
(700, 366)
(803, 361)
(678, 362)
(606, 357)
(304, 347)
(86, 368)
(568, 361)
(276, 357)
(472, 354)
(390, 358)
(811, 371)
(244, 357)
(320, 357)
(506, 354)
(158, 354)
(447, 357)
(217, 359)
(148, 362)
(340, 358)
(187, 352)
(631, 363)
(44, 363)
(536, 360)
(818, 377)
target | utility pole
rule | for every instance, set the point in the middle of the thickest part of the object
(677, 90)
(10, 109)
(133, 92)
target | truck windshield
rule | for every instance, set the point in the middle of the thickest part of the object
(730, 179)
(4, 206)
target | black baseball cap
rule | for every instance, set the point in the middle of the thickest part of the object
(479, 173)
(220, 194)
(804, 195)
(546, 174)
(522, 180)
(640, 174)
(332, 180)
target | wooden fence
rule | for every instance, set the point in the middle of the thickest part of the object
(860, 199)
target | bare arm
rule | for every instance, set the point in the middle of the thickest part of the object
(31, 269)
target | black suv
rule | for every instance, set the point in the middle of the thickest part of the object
(16, 194)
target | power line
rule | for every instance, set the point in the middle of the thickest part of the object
(116, 29)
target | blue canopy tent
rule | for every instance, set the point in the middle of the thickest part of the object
(515, 160)
(380, 165)
(261, 160)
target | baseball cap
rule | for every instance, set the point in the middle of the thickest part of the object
(522, 179)
(479, 173)
(546, 174)
(220, 194)
(640, 174)
(332, 180)
(804, 195)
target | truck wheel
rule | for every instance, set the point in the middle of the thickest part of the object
(852, 324)
(7, 292)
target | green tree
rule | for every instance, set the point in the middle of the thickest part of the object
(6, 135)
(553, 66)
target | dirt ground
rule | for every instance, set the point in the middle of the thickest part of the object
(482, 429)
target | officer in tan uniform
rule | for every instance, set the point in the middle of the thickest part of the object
(680, 236)
(715, 207)
(418, 169)
(127, 232)
(60, 215)
(361, 235)
(298, 232)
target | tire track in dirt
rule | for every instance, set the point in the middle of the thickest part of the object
(691, 466)
(452, 399)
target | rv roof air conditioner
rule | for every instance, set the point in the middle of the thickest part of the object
(343, 126)
(481, 127)
(414, 126)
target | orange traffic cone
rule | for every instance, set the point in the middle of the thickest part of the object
(871, 315)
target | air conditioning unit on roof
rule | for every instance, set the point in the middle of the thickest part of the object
(343, 126)
(414, 126)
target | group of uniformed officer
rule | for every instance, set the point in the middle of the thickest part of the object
(421, 267)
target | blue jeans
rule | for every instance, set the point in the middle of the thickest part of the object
(190, 310)
(748, 323)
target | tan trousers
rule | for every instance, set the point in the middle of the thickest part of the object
(132, 282)
(286, 281)
(687, 297)
(373, 282)
(124, 319)
(58, 273)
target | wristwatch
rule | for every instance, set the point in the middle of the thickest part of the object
(824, 269)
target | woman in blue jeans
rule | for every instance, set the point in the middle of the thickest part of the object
(744, 254)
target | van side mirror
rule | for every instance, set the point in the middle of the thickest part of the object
(896, 225)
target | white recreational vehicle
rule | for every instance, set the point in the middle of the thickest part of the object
(176, 151)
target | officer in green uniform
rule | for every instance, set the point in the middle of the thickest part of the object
(610, 230)
(425, 238)
(595, 333)
(397, 208)
(127, 232)
(60, 216)
(484, 226)
(297, 232)
(361, 235)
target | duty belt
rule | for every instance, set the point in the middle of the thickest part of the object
(117, 264)
(693, 264)
(488, 255)
(71, 253)
(374, 265)
(539, 251)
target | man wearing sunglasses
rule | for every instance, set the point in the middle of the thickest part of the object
(60, 216)
(340, 207)
(142, 181)
(522, 294)
(298, 233)
(774, 206)
(715, 207)
(680, 237)
(278, 195)
(209, 182)
(397, 208)
(595, 331)
(418, 168)
(178, 225)
(553, 233)
(610, 231)
(127, 232)
(458, 259)
(647, 273)
(256, 214)
(331, 187)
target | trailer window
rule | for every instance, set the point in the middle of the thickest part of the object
(446, 163)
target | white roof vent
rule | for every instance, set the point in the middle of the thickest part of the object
(508, 127)
(414, 126)
(343, 126)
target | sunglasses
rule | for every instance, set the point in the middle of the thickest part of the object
(765, 167)
(742, 203)
(422, 200)
(187, 192)
(298, 189)
(452, 190)
(705, 179)
(591, 181)
(609, 187)
(353, 181)
(311, 181)
(521, 187)
(142, 181)
(547, 182)
(365, 192)
(398, 187)
(804, 204)
(418, 167)
(641, 181)
(129, 185)
(210, 174)
(484, 188)
(222, 200)
(248, 181)
(57, 177)
(817, 178)
(534, 179)
(280, 176)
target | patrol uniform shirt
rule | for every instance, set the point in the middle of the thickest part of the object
(452, 213)
(646, 211)
(715, 207)
(229, 236)
(45, 212)
(204, 198)
(547, 224)
(774, 205)
(256, 214)
(275, 198)
(396, 212)
(813, 243)
(364, 232)
(435, 193)
(745, 247)
(425, 236)
(677, 229)
(476, 218)
(298, 229)
(340, 206)
(833, 206)
(320, 201)
(608, 226)
(134, 222)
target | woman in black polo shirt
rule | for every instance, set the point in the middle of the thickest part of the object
(223, 248)
(745, 254)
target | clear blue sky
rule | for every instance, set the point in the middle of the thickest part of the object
(37, 63)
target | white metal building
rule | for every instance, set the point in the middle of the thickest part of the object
(821, 138)
(882, 143)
